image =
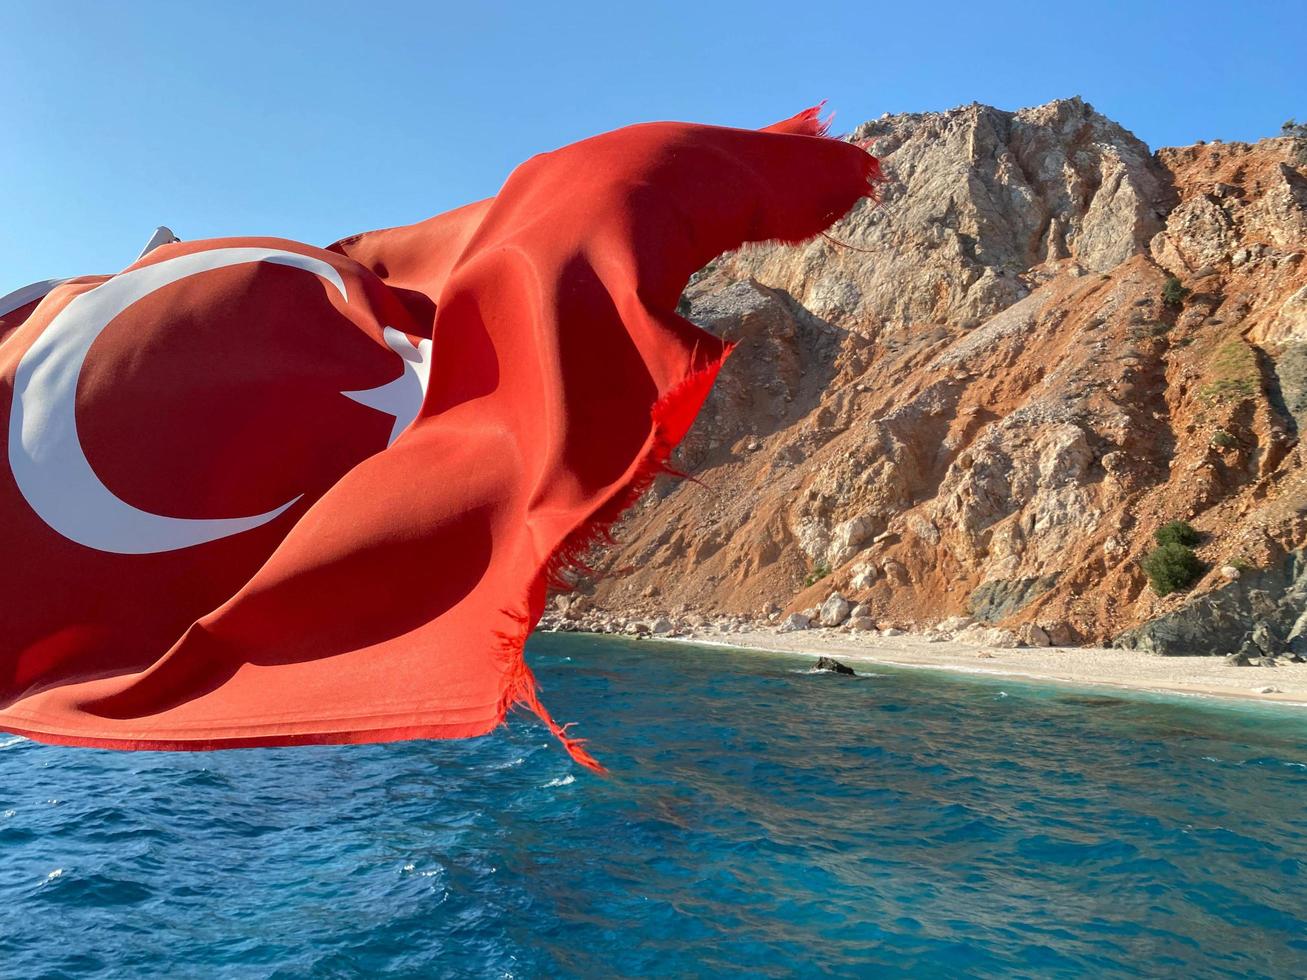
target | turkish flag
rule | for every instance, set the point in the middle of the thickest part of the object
(260, 493)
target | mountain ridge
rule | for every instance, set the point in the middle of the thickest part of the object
(978, 400)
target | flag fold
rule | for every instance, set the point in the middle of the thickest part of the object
(262, 493)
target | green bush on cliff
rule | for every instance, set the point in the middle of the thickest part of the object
(1177, 532)
(1172, 567)
(1173, 293)
(1223, 440)
(817, 574)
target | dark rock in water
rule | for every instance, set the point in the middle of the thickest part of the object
(1220, 619)
(833, 666)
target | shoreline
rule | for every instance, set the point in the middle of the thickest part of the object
(1079, 666)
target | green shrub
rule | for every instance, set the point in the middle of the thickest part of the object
(1223, 440)
(1172, 567)
(1177, 532)
(816, 575)
(1173, 293)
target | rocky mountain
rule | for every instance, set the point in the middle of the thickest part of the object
(982, 396)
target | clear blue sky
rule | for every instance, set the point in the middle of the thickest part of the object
(313, 120)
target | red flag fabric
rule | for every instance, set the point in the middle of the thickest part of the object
(262, 493)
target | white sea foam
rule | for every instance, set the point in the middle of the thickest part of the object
(9, 743)
(411, 868)
(567, 780)
(56, 873)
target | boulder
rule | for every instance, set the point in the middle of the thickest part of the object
(832, 666)
(1266, 640)
(954, 623)
(661, 626)
(1249, 650)
(991, 636)
(1238, 660)
(861, 624)
(1297, 644)
(795, 621)
(863, 575)
(834, 610)
(896, 573)
(1033, 636)
(861, 609)
(1061, 634)
(846, 540)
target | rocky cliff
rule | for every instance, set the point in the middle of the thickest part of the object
(975, 398)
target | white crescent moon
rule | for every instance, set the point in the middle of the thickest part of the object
(46, 457)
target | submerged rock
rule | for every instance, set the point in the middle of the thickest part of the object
(832, 666)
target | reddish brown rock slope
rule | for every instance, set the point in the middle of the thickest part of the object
(984, 406)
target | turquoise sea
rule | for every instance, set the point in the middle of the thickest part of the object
(761, 820)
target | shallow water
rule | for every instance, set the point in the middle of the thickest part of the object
(760, 819)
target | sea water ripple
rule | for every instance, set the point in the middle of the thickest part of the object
(758, 819)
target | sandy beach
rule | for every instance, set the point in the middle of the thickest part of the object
(1200, 676)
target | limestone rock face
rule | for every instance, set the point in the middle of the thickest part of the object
(987, 405)
(977, 197)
